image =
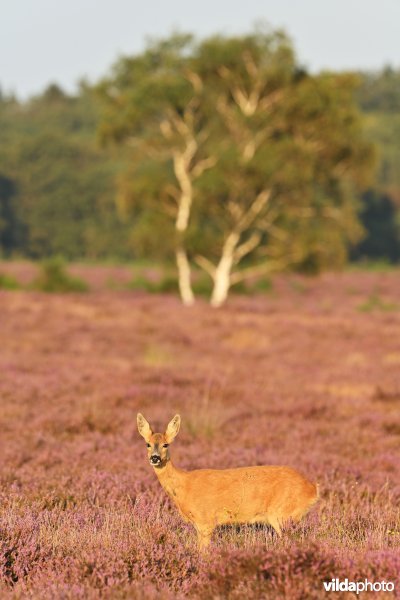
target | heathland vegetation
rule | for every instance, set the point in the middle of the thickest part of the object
(223, 155)
(306, 376)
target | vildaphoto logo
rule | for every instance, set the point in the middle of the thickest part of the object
(336, 585)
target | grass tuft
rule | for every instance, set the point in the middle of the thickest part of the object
(8, 282)
(375, 302)
(53, 277)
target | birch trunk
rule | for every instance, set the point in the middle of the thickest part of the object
(222, 282)
(181, 167)
(222, 274)
(185, 284)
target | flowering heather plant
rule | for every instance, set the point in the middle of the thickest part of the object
(300, 377)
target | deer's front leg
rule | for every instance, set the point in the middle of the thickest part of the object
(203, 537)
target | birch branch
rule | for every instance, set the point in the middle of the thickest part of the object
(254, 210)
(247, 247)
(235, 210)
(277, 233)
(166, 129)
(179, 124)
(250, 65)
(203, 165)
(269, 267)
(206, 265)
(226, 113)
(247, 103)
(195, 80)
(271, 99)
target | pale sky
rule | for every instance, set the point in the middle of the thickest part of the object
(44, 41)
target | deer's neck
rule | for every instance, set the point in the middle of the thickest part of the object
(172, 479)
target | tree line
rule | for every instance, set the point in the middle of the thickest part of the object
(222, 154)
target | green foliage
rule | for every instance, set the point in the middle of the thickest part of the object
(379, 97)
(375, 302)
(382, 239)
(380, 91)
(263, 285)
(372, 266)
(141, 284)
(141, 86)
(57, 186)
(10, 226)
(202, 285)
(266, 124)
(384, 130)
(313, 159)
(298, 286)
(60, 193)
(240, 288)
(7, 282)
(53, 277)
(165, 285)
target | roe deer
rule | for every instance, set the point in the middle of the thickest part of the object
(209, 497)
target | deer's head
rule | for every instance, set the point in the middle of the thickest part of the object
(158, 443)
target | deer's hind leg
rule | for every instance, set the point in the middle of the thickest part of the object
(275, 524)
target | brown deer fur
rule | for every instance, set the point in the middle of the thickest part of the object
(209, 497)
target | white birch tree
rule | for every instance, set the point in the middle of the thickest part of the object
(251, 153)
(286, 162)
(154, 105)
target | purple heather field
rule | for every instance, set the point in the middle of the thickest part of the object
(306, 375)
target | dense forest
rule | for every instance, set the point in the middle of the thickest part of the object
(64, 159)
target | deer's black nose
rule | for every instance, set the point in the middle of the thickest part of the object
(155, 459)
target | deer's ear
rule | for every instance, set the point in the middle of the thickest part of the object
(173, 428)
(143, 427)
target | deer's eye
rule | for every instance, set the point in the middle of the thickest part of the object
(148, 445)
(165, 445)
